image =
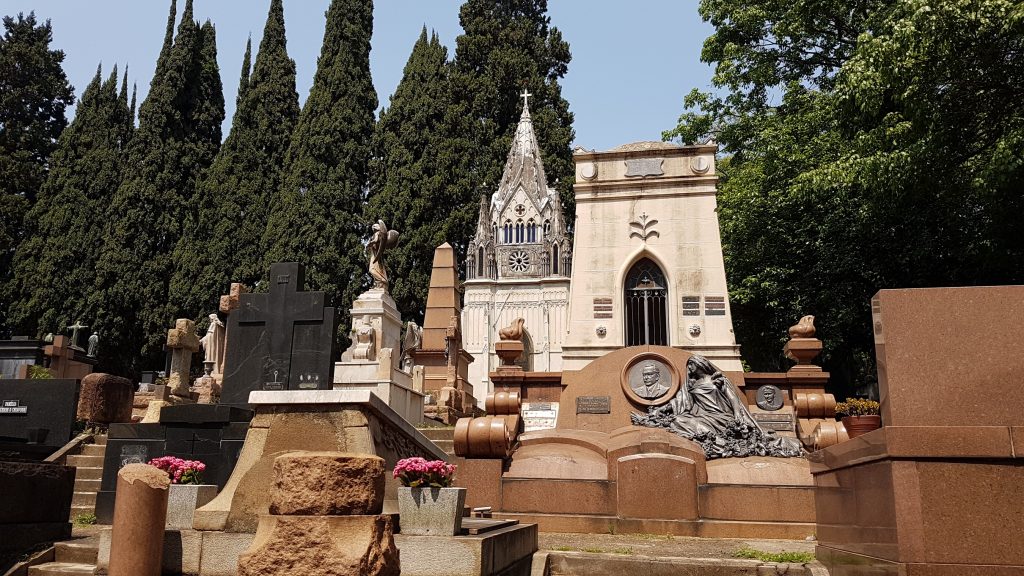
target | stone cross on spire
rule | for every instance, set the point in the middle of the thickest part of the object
(526, 100)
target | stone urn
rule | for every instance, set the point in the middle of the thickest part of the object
(858, 425)
(182, 502)
(430, 511)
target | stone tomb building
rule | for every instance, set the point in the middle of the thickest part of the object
(645, 266)
(518, 266)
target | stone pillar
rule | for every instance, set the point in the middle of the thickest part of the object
(140, 511)
(325, 518)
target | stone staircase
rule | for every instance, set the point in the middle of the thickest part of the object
(89, 464)
(71, 557)
(443, 437)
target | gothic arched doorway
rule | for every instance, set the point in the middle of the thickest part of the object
(646, 303)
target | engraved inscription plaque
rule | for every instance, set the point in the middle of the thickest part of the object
(539, 415)
(640, 167)
(594, 405)
(769, 398)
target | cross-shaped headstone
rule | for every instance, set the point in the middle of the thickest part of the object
(283, 340)
(526, 98)
(183, 343)
(229, 301)
(61, 355)
(74, 332)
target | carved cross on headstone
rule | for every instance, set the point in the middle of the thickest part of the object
(283, 340)
(183, 343)
(61, 354)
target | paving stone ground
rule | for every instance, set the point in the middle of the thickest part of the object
(665, 546)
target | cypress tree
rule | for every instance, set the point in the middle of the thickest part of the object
(245, 176)
(317, 218)
(408, 190)
(177, 137)
(507, 46)
(34, 93)
(55, 266)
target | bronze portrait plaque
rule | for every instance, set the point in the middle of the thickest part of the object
(769, 398)
(649, 380)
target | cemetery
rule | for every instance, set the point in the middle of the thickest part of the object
(569, 396)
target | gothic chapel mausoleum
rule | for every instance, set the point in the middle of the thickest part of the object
(643, 267)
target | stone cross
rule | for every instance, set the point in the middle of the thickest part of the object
(292, 324)
(526, 98)
(61, 355)
(74, 332)
(228, 303)
(183, 343)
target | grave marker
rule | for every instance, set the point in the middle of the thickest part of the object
(283, 340)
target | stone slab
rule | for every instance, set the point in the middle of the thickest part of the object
(950, 356)
(489, 553)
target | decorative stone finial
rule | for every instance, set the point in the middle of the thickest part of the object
(803, 329)
(514, 331)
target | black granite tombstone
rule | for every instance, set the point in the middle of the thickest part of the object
(284, 340)
(212, 434)
(36, 417)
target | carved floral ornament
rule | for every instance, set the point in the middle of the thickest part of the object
(643, 228)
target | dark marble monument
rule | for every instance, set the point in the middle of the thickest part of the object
(36, 417)
(212, 434)
(284, 340)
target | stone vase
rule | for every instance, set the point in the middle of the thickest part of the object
(857, 425)
(183, 500)
(431, 511)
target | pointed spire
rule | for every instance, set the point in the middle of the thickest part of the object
(524, 166)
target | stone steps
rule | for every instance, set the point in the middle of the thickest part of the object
(94, 450)
(442, 437)
(88, 473)
(77, 460)
(76, 552)
(57, 568)
(84, 499)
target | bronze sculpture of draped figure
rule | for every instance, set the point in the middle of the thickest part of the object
(707, 410)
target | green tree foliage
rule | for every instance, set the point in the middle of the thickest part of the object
(507, 46)
(408, 190)
(870, 144)
(223, 246)
(317, 218)
(177, 138)
(34, 93)
(54, 268)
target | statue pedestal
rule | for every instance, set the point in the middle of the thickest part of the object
(372, 361)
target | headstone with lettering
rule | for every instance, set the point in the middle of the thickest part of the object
(284, 340)
(36, 416)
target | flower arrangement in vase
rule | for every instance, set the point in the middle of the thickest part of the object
(860, 416)
(187, 489)
(180, 470)
(427, 504)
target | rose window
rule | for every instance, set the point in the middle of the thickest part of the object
(519, 261)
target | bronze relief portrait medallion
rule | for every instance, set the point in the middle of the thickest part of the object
(649, 379)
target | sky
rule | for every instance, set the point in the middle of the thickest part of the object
(632, 62)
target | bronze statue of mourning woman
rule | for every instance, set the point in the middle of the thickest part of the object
(707, 409)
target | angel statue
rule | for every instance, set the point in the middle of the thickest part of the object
(381, 240)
